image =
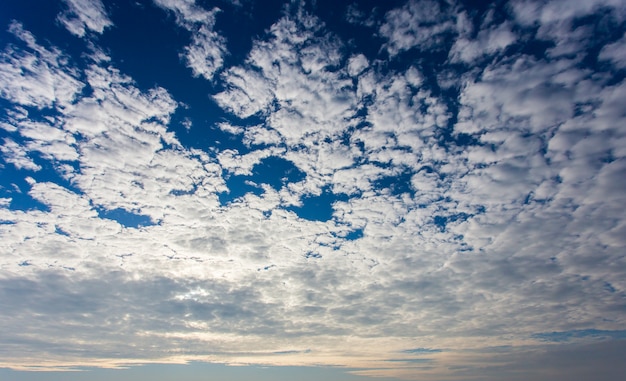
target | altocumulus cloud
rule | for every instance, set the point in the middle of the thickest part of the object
(471, 165)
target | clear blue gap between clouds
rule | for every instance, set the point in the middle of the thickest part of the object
(566, 336)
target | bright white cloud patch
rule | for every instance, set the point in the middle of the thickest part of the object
(357, 64)
(18, 156)
(40, 78)
(82, 16)
(453, 215)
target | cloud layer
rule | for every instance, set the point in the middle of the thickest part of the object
(477, 207)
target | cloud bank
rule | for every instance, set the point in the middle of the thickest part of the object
(475, 220)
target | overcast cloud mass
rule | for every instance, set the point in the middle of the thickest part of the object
(419, 190)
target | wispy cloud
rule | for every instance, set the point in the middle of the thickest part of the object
(37, 77)
(205, 54)
(18, 156)
(82, 16)
(615, 53)
(488, 41)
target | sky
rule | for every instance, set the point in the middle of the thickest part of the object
(229, 190)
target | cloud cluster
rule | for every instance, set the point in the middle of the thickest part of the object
(471, 214)
(35, 76)
(417, 24)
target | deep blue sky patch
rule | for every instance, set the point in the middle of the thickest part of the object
(126, 218)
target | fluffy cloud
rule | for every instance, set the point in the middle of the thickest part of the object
(421, 24)
(293, 79)
(556, 21)
(488, 41)
(466, 221)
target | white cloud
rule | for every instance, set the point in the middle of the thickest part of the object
(488, 243)
(291, 77)
(239, 164)
(544, 144)
(529, 12)
(420, 24)
(292, 80)
(524, 93)
(357, 64)
(555, 21)
(488, 41)
(247, 95)
(40, 79)
(205, 54)
(258, 135)
(403, 115)
(18, 156)
(83, 15)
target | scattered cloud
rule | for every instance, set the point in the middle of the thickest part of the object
(356, 16)
(40, 78)
(18, 156)
(357, 64)
(82, 16)
(417, 24)
(615, 53)
(488, 41)
(205, 54)
(467, 224)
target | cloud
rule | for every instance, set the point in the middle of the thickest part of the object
(292, 79)
(573, 362)
(488, 41)
(417, 24)
(615, 53)
(205, 54)
(357, 64)
(84, 15)
(40, 78)
(556, 22)
(127, 159)
(16, 154)
(466, 222)
(555, 11)
(358, 17)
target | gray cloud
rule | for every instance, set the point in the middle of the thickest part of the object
(615, 53)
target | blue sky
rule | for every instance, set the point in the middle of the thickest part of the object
(239, 189)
